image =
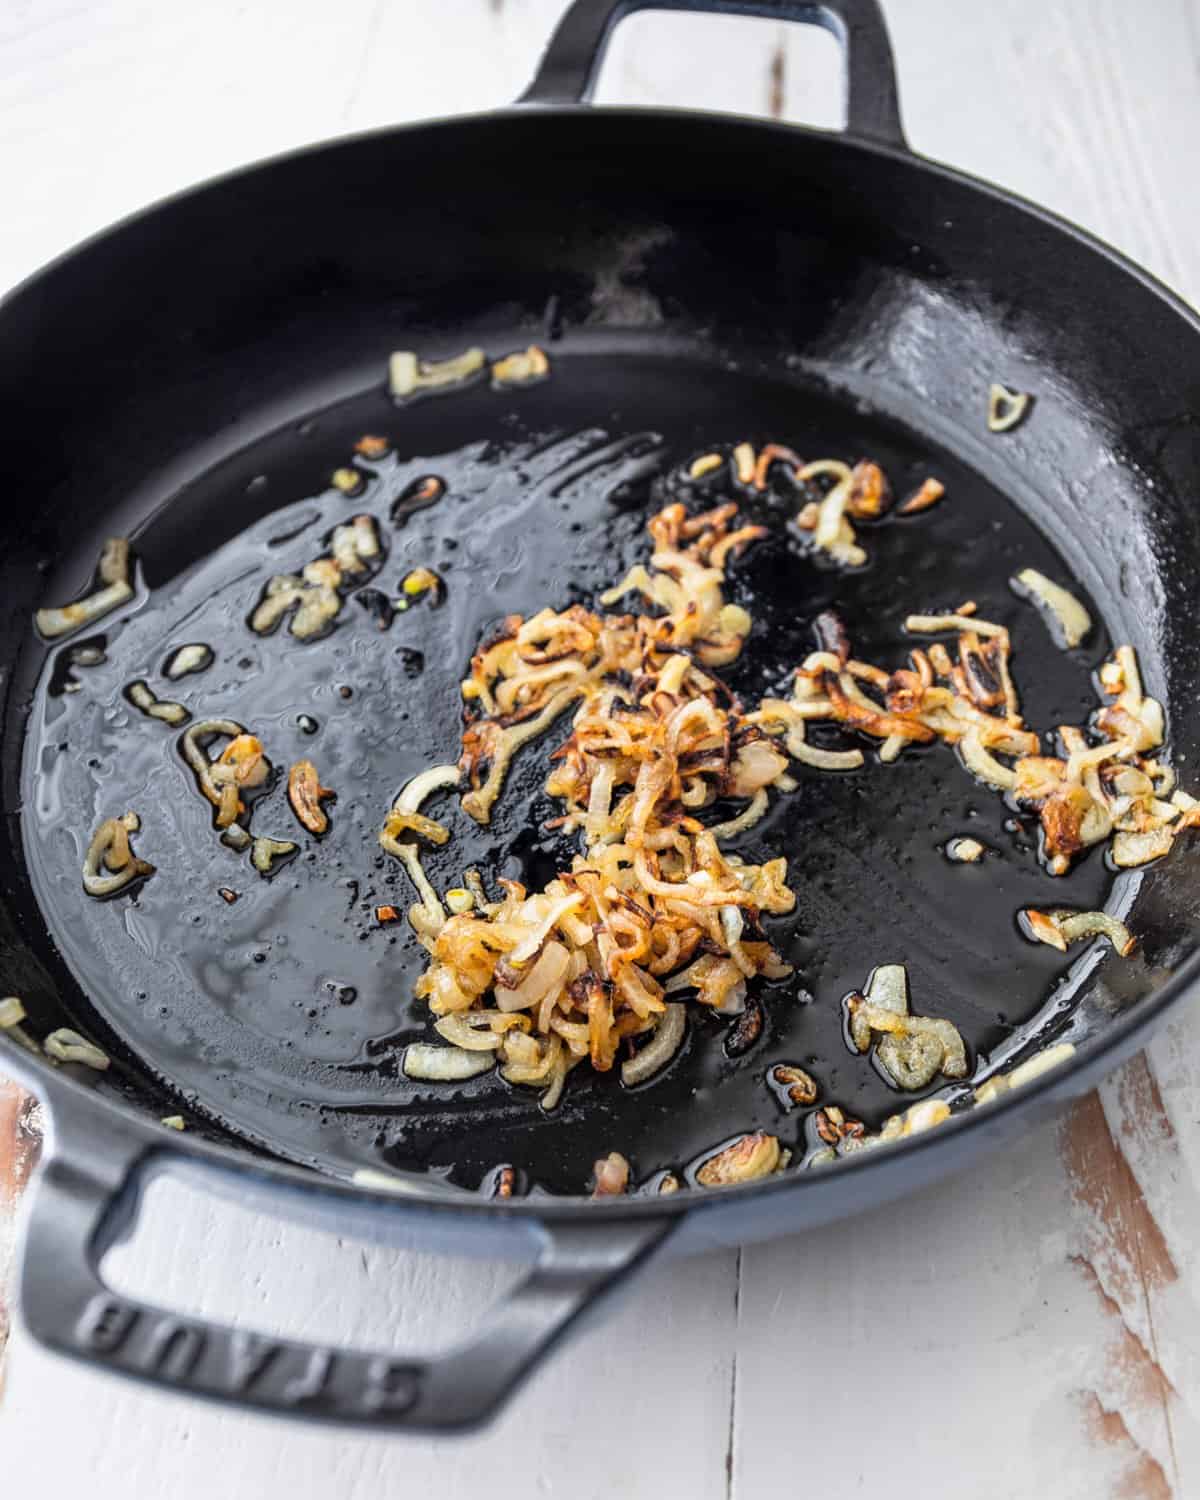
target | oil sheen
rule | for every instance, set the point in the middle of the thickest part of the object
(282, 1016)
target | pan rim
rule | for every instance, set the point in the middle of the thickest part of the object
(61, 1093)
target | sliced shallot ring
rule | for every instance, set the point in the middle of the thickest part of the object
(660, 1049)
(433, 1064)
(1069, 622)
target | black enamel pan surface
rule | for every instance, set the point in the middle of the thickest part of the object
(190, 378)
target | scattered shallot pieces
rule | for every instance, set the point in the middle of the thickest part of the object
(410, 376)
(269, 853)
(141, 696)
(965, 851)
(241, 766)
(196, 657)
(116, 590)
(526, 367)
(419, 495)
(227, 894)
(1042, 1062)
(611, 1176)
(1060, 928)
(110, 865)
(306, 794)
(67, 1046)
(370, 446)
(792, 1085)
(749, 1157)
(405, 817)
(1006, 408)
(1069, 622)
(774, 453)
(927, 494)
(315, 594)
(386, 914)
(173, 1122)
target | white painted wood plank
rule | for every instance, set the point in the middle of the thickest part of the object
(594, 1423)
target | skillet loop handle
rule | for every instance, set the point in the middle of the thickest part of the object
(87, 1197)
(572, 60)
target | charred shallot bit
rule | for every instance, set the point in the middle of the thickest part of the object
(410, 376)
(405, 824)
(227, 895)
(749, 1157)
(140, 695)
(386, 914)
(504, 1181)
(525, 367)
(315, 594)
(306, 794)
(1061, 928)
(792, 1085)
(911, 1050)
(1006, 408)
(746, 1030)
(744, 463)
(115, 589)
(707, 463)
(371, 447)
(110, 865)
(835, 1127)
(928, 493)
(610, 1176)
(968, 700)
(846, 1137)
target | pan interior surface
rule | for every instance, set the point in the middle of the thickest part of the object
(190, 377)
(282, 1016)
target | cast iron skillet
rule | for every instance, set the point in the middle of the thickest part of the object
(775, 267)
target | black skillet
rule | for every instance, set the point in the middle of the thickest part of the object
(194, 373)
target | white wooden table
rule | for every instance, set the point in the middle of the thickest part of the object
(1065, 1360)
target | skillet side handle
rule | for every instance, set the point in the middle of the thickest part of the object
(86, 1198)
(572, 60)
